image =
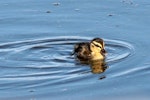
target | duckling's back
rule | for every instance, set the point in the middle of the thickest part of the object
(82, 51)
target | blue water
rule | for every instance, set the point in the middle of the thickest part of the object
(37, 39)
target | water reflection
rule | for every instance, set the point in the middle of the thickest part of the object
(98, 66)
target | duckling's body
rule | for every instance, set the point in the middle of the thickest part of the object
(89, 51)
(82, 51)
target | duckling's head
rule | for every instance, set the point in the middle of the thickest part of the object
(97, 46)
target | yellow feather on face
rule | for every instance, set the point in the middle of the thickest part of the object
(96, 47)
(98, 44)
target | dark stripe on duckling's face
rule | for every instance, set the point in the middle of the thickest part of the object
(100, 46)
(99, 41)
(97, 44)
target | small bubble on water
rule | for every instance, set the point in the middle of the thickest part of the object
(48, 11)
(56, 3)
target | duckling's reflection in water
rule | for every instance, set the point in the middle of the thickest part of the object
(98, 66)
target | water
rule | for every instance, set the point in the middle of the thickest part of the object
(37, 39)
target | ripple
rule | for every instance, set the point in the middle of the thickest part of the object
(137, 71)
(118, 50)
(45, 59)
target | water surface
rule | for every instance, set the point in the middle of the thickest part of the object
(37, 39)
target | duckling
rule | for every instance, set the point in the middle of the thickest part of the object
(89, 51)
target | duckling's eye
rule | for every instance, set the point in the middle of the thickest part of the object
(97, 46)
